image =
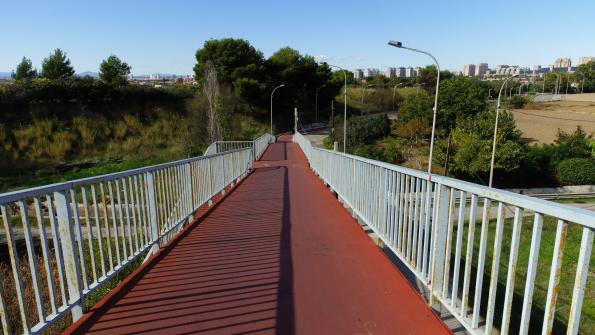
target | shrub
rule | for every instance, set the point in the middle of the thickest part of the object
(413, 129)
(577, 171)
(517, 102)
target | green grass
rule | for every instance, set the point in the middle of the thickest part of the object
(576, 201)
(26, 179)
(571, 253)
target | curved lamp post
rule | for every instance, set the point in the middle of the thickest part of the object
(345, 107)
(274, 89)
(496, 130)
(316, 101)
(400, 45)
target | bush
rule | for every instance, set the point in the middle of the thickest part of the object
(415, 129)
(389, 152)
(517, 102)
(577, 171)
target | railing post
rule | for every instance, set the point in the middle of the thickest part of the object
(71, 260)
(152, 204)
(190, 177)
(210, 182)
(440, 223)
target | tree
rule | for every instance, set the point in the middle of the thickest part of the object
(471, 146)
(585, 75)
(302, 76)
(211, 91)
(416, 105)
(57, 66)
(24, 70)
(460, 97)
(231, 58)
(113, 71)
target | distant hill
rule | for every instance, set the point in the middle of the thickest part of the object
(5, 75)
(88, 73)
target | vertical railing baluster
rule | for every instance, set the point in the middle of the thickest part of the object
(98, 226)
(152, 210)
(447, 253)
(118, 190)
(469, 255)
(108, 234)
(127, 213)
(458, 246)
(580, 281)
(71, 260)
(45, 250)
(6, 329)
(32, 261)
(512, 261)
(15, 263)
(78, 236)
(134, 205)
(495, 268)
(483, 242)
(57, 248)
(554, 282)
(531, 273)
(89, 232)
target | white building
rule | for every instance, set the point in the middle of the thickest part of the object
(469, 70)
(358, 74)
(481, 69)
(585, 60)
(562, 63)
(371, 73)
(417, 71)
(507, 70)
(391, 72)
(409, 72)
(400, 72)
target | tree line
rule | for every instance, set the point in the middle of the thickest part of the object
(57, 66)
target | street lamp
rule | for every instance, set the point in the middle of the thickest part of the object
(400, 45)
(316, 101)
(496, 130)
(274, 89)
(345, 107)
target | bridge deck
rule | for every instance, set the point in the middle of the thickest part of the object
(279, 255)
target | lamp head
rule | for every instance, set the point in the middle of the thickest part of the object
(395, 44)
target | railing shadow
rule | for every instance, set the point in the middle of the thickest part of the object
(229, 273)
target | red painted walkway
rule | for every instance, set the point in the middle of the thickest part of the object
(279, 255)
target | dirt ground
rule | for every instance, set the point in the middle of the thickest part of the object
(540, 122)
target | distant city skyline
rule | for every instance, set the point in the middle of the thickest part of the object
(158, 37)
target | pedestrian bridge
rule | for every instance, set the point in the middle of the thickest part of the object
(265, 237)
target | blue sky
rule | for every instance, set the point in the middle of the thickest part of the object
(162, 36)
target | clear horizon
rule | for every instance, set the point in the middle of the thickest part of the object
(158, 37)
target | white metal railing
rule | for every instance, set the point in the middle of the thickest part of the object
(414, 214)
(90, 229)
(259, 145)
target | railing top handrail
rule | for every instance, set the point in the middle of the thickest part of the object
(564, 212)
(61, 186)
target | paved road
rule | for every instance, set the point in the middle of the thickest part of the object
(279, 255)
